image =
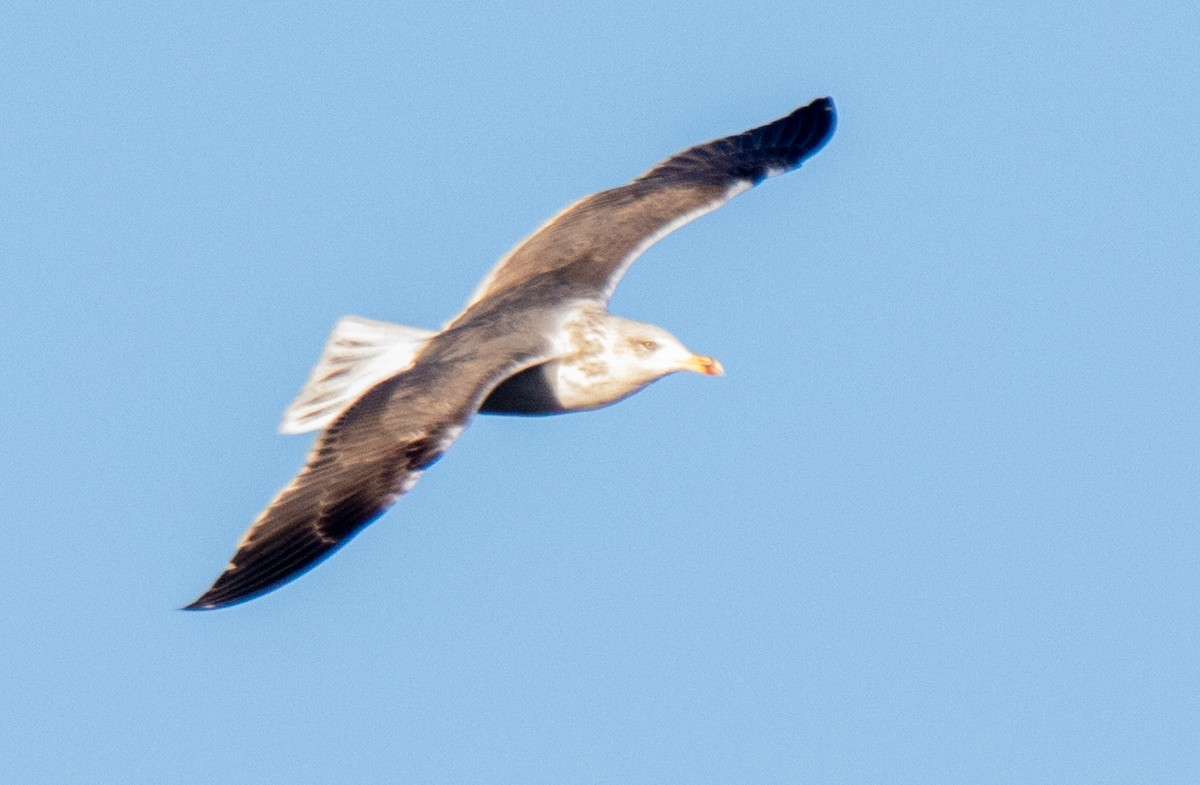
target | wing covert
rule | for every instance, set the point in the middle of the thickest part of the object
(374, 452)
(354, 473)
(591, 243)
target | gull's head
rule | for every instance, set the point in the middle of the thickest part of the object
(647, 352)
(613, 358)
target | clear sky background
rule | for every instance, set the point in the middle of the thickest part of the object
(937, 524)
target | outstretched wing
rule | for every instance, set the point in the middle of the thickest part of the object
(371, 455)
(591, 243)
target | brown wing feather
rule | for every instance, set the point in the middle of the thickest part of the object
(590, 244)
(373, 453)
(347, 482)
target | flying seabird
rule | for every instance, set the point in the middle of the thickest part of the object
(535, 338)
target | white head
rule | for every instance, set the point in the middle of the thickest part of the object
(617, 357)
(643, 351)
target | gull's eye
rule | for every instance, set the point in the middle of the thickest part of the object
(642, 347)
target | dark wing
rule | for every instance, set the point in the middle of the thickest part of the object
(593, 241)
(371, 455)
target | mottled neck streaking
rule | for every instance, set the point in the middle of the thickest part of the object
(611, 358)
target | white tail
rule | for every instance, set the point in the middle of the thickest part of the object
(359, 353)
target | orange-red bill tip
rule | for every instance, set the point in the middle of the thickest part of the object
(709, 366)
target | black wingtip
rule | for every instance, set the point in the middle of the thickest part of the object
(229, 589)
(270, 564)
(203, 603)
(827, 104)
(206, 602)
(217, 598)
(823, 128)
(226, 593)
(785, 144)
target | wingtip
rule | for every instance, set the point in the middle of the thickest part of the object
(833, 116)
(826, 125)
(203, 603)
(219, 596)
(206, 604)
(827, 105)
(818, 105)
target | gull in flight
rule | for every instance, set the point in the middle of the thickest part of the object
(535, 338)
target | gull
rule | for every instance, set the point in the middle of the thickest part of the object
(535, 338)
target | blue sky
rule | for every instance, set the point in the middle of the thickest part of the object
(938, 523)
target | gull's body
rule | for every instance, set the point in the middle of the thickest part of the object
(535, 338)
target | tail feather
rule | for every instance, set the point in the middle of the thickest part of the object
(359, 354)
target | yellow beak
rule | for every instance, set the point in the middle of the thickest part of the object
(703, 364)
